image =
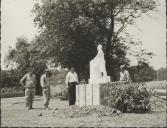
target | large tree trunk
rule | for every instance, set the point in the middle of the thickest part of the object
(108, 46)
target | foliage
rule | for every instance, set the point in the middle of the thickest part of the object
(127, 97)
(11, 89)
(12, 94)
(156, 84)
(10, 85)
(162, 74)
(142, 72)
(71, 30)
(58, 77)
(57, 82)
(7, 92)
(10, 78)
(27, 57)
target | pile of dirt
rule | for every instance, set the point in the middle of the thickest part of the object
(75, 111)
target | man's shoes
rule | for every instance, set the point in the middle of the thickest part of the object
(46, 108)
(30, 108)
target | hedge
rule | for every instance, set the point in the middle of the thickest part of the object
(12, 94)
(126, 96)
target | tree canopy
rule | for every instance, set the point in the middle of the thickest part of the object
(142, 72)
(26, 57)
(70, 30)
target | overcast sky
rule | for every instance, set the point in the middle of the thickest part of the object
(150, 29)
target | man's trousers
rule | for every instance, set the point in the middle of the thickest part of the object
(46, 96)
(29, 96)
(72, 93)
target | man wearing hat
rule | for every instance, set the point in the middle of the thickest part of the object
(28, 81)
(44, 81)
(124, 74)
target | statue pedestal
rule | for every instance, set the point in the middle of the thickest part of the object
(80, 95)
(87, 94)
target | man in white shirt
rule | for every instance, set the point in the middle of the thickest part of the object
(28, 81)
(71, 82)
(44, 81)
(124, 74)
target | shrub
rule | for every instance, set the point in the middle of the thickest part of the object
(11, 89)
(142, 72)
(126, 96)
(15, 94)
(10, 78)
(58, 78)
(156, 85)
(57, 83)
(59, 91)
(7, 92)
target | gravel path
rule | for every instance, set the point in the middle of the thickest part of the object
(14, 114)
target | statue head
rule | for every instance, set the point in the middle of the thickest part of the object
(99, 47)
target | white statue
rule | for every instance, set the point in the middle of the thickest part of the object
(98, 72)
(89, 94)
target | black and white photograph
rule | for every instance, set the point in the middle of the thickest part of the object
(83, 63)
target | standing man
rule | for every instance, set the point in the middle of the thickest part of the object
(44, 81)
(124, 74)
(28, 81)
(71, 82)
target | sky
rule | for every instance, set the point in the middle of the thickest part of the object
(17, 20)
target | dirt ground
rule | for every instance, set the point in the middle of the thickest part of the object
(14, 114)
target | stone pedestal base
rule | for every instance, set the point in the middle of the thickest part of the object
(88, 94)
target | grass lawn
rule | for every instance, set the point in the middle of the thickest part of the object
(14, 114)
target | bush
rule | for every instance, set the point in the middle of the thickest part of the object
(57, 82)
(11, 89)
(10, 78)
(7, 92)
(142, 72)
(156, 85)
(58, 77)
(8, 95)
(59, 91)
(125, 96)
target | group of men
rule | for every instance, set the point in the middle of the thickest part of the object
(29, 82)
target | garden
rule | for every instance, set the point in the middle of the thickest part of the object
(69, 32)
(121, 104)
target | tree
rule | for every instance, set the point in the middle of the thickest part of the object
(71, 29)
(142, 72)
(161, 74)
(19, 55)
(10, 78)
(27, 57)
